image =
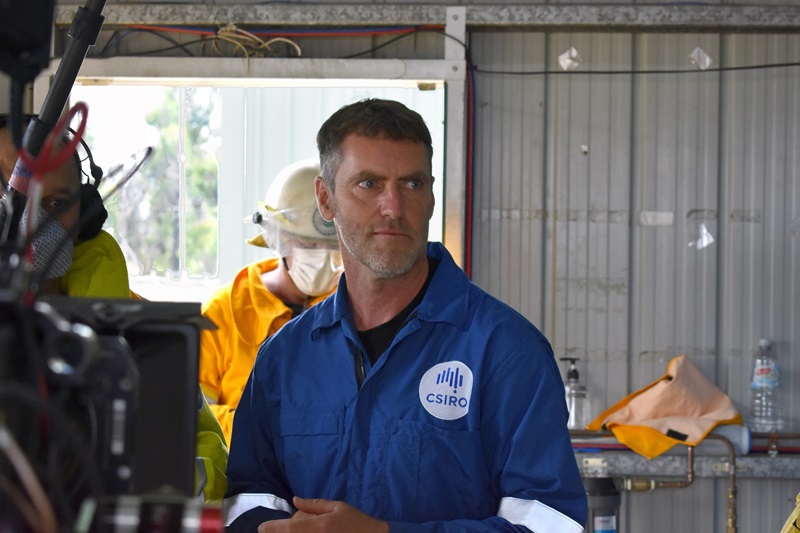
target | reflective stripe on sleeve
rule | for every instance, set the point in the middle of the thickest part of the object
(536, 516)
(202, 478)
(235, 506)
(209, 395)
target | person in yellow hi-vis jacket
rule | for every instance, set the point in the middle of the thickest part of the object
(266, 294)
(90, 264)
(792, 524)
(94, 266)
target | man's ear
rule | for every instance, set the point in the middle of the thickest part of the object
(93, 213)
(323, 199)
(433, 200)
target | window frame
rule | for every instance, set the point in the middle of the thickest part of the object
(328, 72)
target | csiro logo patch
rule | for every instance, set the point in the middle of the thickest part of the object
(323, 227)
(445, 390)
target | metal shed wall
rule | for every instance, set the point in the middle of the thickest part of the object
(591, 190)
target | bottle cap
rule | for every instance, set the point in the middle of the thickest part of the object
(572, 371)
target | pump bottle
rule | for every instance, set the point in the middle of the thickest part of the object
(575, 393)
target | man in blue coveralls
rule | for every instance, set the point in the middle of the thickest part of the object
(410, 400)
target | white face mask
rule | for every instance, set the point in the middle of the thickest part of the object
(315, 271)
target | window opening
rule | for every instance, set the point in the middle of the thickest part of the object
(181, 221)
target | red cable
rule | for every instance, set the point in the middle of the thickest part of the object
(51, 157)
(47, 160)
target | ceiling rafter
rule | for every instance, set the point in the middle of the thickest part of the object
(680, 18)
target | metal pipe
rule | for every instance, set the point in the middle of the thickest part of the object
(647, 484)
(731, 481)
(773, 438)
(638, 484)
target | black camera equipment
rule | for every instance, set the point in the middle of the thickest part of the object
(25, 29)
(116, 427)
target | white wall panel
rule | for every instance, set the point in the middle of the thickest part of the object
(674, 196)
(508, 226)
(760, 259)
(589, 146)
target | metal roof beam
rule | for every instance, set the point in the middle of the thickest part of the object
(678, 18)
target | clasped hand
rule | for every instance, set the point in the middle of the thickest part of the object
(325, 516)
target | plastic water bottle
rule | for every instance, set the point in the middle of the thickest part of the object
(575, 392)
(764, 416)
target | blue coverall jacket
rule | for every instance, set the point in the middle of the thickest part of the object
(459, 426)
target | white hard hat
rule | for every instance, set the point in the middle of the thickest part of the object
(289, 217)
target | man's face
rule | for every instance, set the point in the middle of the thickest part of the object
(382, 204)
(60, 188)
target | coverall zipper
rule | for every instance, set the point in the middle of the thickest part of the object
(358, 358)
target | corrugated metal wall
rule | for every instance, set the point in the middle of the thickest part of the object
(596, 199)
(596, 195)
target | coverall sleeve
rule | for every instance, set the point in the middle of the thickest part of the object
(257, 491)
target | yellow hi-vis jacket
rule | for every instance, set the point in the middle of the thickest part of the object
(98, 270)
(245, 314)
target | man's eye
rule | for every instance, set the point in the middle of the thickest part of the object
(55, 204)
(415, 184)
(367, 184)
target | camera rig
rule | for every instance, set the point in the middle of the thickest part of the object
(100, 397)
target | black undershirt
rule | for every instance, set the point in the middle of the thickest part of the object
(296, 309)
(377, 339)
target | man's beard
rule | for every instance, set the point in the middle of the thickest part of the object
(384, 266)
